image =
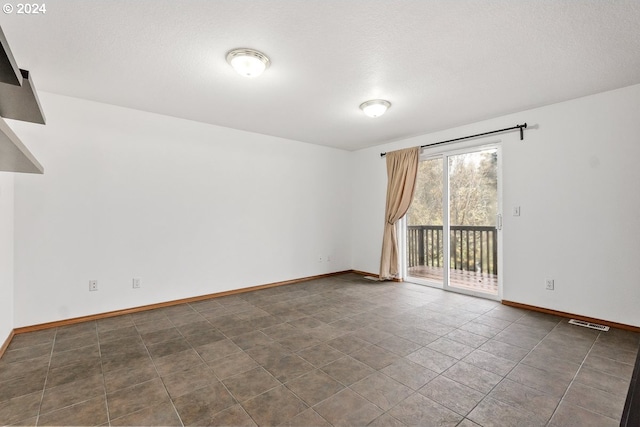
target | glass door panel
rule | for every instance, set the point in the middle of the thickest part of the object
(425, 255)
(473, 208)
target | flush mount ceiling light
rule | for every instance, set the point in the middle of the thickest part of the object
(375, 107)
(248, 62)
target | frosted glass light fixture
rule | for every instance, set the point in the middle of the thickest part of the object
(375, 107)
(248, 62)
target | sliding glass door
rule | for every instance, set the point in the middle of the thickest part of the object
(452, 225)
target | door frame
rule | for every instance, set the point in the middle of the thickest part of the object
(444, 153)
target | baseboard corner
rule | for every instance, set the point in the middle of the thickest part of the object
(6, 343)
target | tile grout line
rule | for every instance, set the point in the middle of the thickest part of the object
(155, 368)
(441, 374)
(378, 371)
(263, 368)
(345, 387)
(44, 386)
(240, 373)
(61, 385)
(510, 370)
(281, 383)
(319, 368)
(243, 351)
(104, 381)
(413, 392)
(205, 362)
(574, 378)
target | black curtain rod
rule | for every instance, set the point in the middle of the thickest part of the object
(521, 127)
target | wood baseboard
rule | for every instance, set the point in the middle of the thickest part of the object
(572, 316)
(6, 343)
(132, 310)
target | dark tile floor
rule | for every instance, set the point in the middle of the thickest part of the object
(335, 351)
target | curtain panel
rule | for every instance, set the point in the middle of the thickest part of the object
(402, 169)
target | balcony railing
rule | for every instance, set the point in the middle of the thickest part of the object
(473, 248)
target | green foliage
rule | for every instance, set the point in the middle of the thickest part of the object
(472, 190)
(426, 208)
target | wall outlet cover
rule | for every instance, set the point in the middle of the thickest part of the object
(550, 284)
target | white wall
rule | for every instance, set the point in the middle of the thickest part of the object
(190, 208)
(576, 178)
(6, 255)
(194, 209)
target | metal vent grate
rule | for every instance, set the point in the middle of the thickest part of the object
(589, 325)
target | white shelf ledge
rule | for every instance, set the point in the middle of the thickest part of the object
(14, 156)
(21, 102)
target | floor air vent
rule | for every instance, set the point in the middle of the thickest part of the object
(589, 325)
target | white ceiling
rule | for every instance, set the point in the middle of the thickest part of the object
(441, 63)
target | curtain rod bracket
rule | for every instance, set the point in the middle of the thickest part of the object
(522, 128)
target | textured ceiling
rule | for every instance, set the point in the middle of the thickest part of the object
(440, 63)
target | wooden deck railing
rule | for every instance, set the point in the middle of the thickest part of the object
(473, 248)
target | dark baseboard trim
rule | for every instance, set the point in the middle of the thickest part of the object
(132, 310)
(6, 343)
(572, 316)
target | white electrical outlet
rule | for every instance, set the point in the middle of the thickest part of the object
(93, 285)
(136, 283)
(320, 258)
(516, 211)
(550, 284)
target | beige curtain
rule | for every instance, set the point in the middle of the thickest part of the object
(402, 168)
